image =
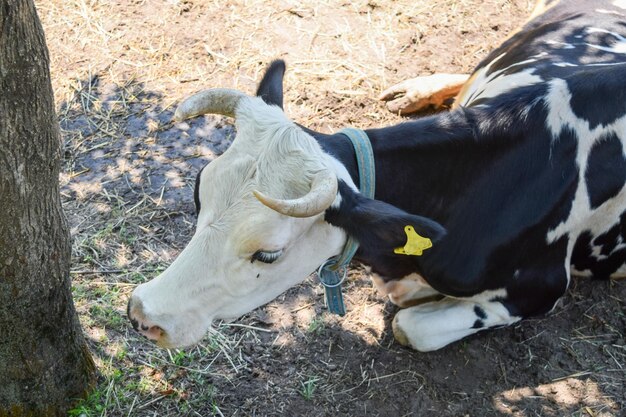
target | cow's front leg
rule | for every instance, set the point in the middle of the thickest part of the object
(433, 325)
(418, 94)
(406, 292)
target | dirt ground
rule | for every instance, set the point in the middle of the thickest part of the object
(119, 67)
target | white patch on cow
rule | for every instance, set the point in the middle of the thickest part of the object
(484, 85)
(342, 174)
(582, 274)
(539, 55)
(596, 252)
(620, 3)
(582, 217)
(618, 47)
(597, 64)
(605, 11)
(489, 295)
(431, 326)
(337, 203)
(562, 45)
(605, 64)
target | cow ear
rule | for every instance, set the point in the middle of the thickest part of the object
(271, 86)
(380, 227)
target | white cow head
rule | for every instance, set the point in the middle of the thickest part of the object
(260, 228)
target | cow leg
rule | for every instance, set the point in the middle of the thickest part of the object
(531, 291)
(406, 292)
(431, 326)
(418, 94)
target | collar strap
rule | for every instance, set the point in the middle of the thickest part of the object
(329, 272)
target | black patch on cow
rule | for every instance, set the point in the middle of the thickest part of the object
(608, 241)
(480, 313)
(531, 269)
(581, 255)
(271, 85)
(478, 324)
(540, 282)
(602, 270)
(196, 191)
(606, 170)
(599, 269)
(497, 206)
(612, 259)
(258, 275)
(598, 95)
(471, 170)
(339, 146)
(379, 229)
(133, 321)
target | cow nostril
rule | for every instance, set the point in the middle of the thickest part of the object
(153, 332)
(140, 323)
(134, 312)
(135, 324)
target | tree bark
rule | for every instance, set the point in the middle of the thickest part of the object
(44, 361)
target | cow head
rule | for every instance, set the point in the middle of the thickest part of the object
(261, 225)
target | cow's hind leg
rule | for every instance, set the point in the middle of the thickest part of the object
(431, 326)
(421, 93)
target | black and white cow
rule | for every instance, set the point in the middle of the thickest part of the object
(519, 185)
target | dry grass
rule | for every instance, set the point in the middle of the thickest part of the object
(118, 68)
(343, 54)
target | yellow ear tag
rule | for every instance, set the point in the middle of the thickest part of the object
(415, 244)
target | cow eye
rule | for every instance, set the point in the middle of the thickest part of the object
(267, 257)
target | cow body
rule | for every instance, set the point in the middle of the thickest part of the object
(520, 184)
(526, 173)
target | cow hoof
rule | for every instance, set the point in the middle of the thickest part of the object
(398, 333)
(435, 91)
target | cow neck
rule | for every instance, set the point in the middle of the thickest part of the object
(429, 168)
(422, 163)
(329, 273)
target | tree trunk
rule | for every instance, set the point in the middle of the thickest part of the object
(44, 361)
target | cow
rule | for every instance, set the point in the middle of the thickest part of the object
(518, 186)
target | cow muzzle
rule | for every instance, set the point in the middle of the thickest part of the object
(142, 324)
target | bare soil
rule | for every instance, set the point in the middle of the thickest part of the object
(119, 67)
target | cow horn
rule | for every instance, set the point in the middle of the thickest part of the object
(213, 101)
(323, 193)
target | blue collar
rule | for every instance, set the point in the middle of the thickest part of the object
(333, 272)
